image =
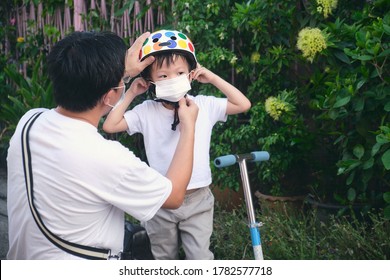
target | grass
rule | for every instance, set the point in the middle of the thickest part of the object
(301, 235)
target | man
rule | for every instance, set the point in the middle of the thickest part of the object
(82, 182)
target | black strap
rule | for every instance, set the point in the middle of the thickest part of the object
(69, 247)
(176, 119)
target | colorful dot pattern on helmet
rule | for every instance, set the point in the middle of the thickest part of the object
(164, 40)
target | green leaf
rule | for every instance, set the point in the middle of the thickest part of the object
(386, 197)
(342, 102)
(367, 175)
(350, 178)
(358, 151)
(361, 38)
(386, 159)
(374, 74)
(375, 149)
(333, 114)
(385, 53)
(386, 212)
(358, 104)
(368, 164)
(364, 57)
(349, 52)
(343, 57)
(360, 84)
(382, 139)
(347, 165)
(385, 129)
(386, 28)
(387, 107)
(351, 195)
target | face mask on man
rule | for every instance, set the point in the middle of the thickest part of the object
(119, 102)
(173, 89)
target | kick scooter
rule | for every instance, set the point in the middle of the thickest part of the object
(254, 226)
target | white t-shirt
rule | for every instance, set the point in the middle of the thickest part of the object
(83, 184)
(154, 121)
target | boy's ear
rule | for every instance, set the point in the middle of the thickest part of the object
(191, 75)
(152, 90)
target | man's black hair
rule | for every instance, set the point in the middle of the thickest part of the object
(84, 66)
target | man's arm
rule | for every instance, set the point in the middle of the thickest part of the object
(180, 170)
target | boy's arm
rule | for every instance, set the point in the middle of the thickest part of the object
(115, 122)
(237, 101)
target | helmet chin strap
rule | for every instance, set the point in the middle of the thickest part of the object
(176, 119)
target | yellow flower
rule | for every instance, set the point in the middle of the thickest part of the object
(255, 57)
(275, 107)
(311, 41)
(326, 6)
(20, 40)
(233, 60)
(239, 69)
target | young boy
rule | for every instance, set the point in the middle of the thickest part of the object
(175, 66)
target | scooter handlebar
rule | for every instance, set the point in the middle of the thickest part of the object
(228, 160)
(260, 156)
(224, 161)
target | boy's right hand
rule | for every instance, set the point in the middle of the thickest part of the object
(188, 112)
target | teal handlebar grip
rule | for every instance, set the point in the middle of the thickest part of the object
(224, 161)
(260, 156)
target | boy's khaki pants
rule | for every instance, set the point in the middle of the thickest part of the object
(191, 225)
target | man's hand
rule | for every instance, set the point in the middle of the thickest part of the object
(133, 65)
(188, 112)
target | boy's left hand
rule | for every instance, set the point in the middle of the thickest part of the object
(138, 86)
(202, 74)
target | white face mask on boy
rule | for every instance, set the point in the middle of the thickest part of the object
(173, 89)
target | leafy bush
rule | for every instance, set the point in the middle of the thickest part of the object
(326, 64)
(24, 94)
(352, 100)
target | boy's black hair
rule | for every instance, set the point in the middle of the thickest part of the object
(168, 57)
(84, 66)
